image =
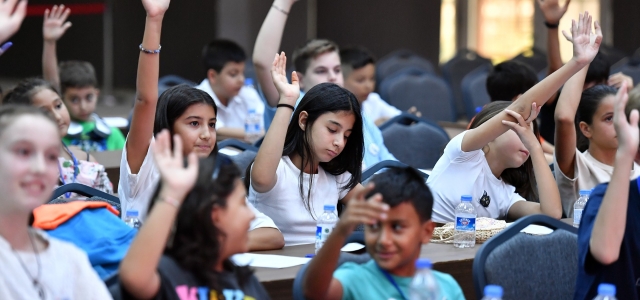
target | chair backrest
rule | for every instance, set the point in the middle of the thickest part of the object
(474, 91)
(535, 58)
(459, 66)
(399, 60)
(243, 160)
(420, 145)
(167, 81)
(384, 84)
(298, 292)
(240, 145)
(82, 190)
(630, 70)
(528, 266)
(379, 166)
(429, 94)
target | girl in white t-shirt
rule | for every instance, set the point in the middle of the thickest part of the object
(500, 162)
(310, 157)
(585, 139)
(34, 265)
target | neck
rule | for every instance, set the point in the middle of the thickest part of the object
(311, 168)
(14, 229)
(495, 164)
(223, 100)
(605, 156)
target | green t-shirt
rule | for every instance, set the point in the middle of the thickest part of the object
(366, 281)
(89, 142)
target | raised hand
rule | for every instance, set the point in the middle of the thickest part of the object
(585, 43)
(54, 25)
(523, 127)
(552, 10)
(361, 211)
(627, 130)
(155, 8)
(11, 17)
(616, 80)
(289, 92)
(175, 177)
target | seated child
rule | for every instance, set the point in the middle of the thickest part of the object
(224, 63)
(608, 241)
(198, 219)
(359, 70)
(397, 218)
(76, 81)
(35, 265)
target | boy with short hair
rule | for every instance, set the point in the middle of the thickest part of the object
(608, 240)
(397, 218)
(77, 83)
(510, 79)
(224, 63)
(359, 70)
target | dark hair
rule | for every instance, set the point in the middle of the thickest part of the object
(218, 53)
(404, 184)
(589, 103)
(10, 112)
(23, 93)
(356, 57)
(195, 245)
(509, 79)
(598, 72)
(310, 50)
(77, 74)
(522, 178)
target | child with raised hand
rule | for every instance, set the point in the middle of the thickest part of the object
(12, 14)
(199, 219)
(77, 82)
(74, 165)
(397, 218)
(490, 161)
(608, 242)
(34, 265)
(307, 159)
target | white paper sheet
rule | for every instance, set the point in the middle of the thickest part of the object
(268, 260)
(229, 151)
(535, 229)
(117, 122)
(351, 247)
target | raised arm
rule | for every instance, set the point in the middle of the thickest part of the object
(138, 270)
(583, 53)
(553, 13)
(144, 110)
(53, 28)
(263, 172)
(565, 137)
(268, 44)
(11, 16)
(610, 223)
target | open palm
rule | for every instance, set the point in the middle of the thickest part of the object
(54, 25)
(289, 92)
(627, 130)
(175, 176)
(585, 43)
(11, 17)
(155, 8)
(552, 10)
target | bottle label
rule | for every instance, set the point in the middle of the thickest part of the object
(465, 224)
(577, 216)
(322, 232)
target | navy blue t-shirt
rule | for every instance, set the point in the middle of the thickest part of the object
(625, 272)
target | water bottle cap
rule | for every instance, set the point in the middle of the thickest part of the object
(423, 263)
(132, 213)
(248, 81)
(329, 207)
(466, 198)
(494, 291)
(607, 289)
(252, 110)
(585, 192)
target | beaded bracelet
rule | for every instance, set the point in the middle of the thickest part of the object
(150, 51)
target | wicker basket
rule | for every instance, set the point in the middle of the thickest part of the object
(485, 229)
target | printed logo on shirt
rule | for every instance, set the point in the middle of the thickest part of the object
(90, 145)
(185, 292)
(485, 200)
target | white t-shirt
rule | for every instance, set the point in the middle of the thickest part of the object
(286, 208)
(588, 173)
(375, 108)
(135, 190)
(459, 173)
(235, 113)
(65, 273)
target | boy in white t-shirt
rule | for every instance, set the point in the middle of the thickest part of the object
(224, 62)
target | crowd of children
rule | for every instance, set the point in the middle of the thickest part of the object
(198, 208)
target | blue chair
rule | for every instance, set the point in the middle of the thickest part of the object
(474, 91)
(379, 166)
(630, 69)
(535, 58)
(240, 145)
(86, 191)
(528, 266)
(457, 68)
(401, 59)
(429, 94)
(385, 83)
(167, 81)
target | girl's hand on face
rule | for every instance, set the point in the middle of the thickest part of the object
(584, 50)
(627, 131)
(289, 92)
(176, 178)
(155, 8)
(523, 127)
(361, 211)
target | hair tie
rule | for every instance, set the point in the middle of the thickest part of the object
(286, 105)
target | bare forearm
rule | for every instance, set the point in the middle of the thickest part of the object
(264, 168)
(50, 63)
(550, 203)
(265, 239)
(610, 223)
(553, 50)
(321, 268)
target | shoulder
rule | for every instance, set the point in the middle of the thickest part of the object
(448, 285)
(350, 271)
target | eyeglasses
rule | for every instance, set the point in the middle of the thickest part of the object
(221, 161)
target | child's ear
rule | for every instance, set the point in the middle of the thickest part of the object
(302, 120)
(586, 131)
(427, 231)
(216, 215)
(212, 75)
